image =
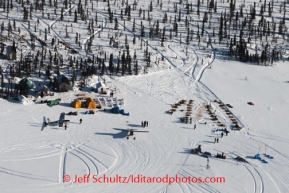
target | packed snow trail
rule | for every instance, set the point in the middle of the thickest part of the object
(182, 60)
(84, 44)
(199, 76)
(54, 32)
(196, 63)
(62, 164)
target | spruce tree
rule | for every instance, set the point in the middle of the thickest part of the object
(75, 16)
(133, 25)
(198, 8)
(136, 68)
(111, 63)
(221, 28)
(163, 37)
(115, 24)
(151, 6)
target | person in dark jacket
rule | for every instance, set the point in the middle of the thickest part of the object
(80, 121)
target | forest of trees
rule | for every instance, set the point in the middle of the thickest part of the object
(236, 28)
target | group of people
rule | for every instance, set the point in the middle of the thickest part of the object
(226, 132)
(144, 123)
(222, 134)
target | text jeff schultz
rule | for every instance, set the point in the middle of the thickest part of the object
(142, 179)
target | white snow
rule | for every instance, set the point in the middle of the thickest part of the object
(35, 158)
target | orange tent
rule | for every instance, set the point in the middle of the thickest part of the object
(76, 104)
(90, 103)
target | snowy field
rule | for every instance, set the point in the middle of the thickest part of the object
(35, 158)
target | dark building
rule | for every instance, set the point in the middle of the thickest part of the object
(61, 84)
(11, 53)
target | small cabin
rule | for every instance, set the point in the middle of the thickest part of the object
(61, 84)
(44, 91)
(101, 88)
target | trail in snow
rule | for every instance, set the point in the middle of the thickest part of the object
(194, 65)
(199, 76)
(54, 32)
(84, 44)
(151, 48)
(182, 60)
(62, 164)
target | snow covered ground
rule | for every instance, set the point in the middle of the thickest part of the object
(35, 158)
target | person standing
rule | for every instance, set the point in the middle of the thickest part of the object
(65, 126)
(142, 123)
(80, 121)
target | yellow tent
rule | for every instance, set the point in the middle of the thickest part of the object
(90, 103)
(76, 104)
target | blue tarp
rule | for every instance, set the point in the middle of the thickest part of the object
(117, 110)
(257, 156)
